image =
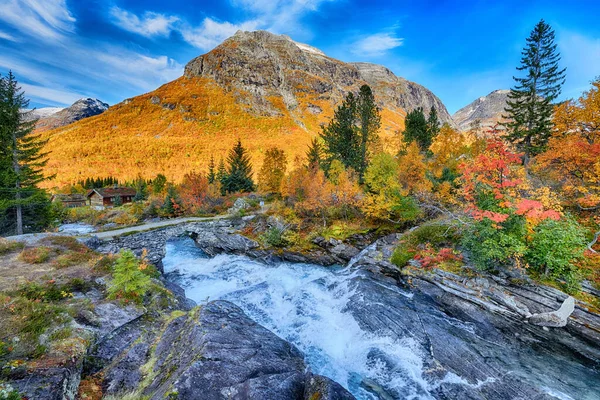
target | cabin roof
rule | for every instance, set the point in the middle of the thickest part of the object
(112, 192)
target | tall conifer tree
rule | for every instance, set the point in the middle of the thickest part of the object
(352, 132)
(23, 206)
(529, 106)
(239, 171)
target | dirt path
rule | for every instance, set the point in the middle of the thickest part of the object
(153, 225)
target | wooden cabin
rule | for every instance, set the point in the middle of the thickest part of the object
(105, 197)
(70, 200)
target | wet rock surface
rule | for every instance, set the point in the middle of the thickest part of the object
(213, 352)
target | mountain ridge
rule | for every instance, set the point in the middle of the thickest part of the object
(484, 112)
(264, 89)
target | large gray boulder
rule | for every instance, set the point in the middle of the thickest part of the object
(555, 319)
(213, 352)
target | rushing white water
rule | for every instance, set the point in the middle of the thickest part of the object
(77, 228)
(308, 305)
(305, 304)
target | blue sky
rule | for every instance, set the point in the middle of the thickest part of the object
(114, 49)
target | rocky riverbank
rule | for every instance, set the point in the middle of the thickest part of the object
(479, 336)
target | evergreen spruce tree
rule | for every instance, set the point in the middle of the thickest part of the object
(314, 154)
(417, 128)
(221, 176)
(158, 184)
(23, 206)
(170, 201)
(211, 170)
(239, 171)
(433, 123)
(118, 201)
(141, 189)
(529, 106)
(369, 122)
(339, 137)
(352, 132)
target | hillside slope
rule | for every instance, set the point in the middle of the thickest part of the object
(264, 89)
(485, 111)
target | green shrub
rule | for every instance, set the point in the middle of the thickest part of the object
(436, 234)
(48, 292)
(492, 247)
(6, 246)
(554, 248)
(35, 255)
(8, 393)
(129, 282)
(402, 255)
(274, 237)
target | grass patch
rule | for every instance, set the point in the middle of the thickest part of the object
(35, 255)
(434, 235)
(7, 246)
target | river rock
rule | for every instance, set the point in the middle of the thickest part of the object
(213, 243)
(213, 352)
(555, 319)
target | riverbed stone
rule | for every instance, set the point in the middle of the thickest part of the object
(555, 319)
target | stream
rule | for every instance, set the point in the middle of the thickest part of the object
(363, 333)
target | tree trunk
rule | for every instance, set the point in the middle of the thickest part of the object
(19, 211)
(17, 169)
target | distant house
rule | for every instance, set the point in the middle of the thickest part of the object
(70, 200)
(105, 197)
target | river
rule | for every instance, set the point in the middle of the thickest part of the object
(325, 313)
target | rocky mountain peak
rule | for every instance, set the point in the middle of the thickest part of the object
(261, 65)
(486, 111)
(82, 108)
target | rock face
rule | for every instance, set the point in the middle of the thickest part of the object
(401, 92)
(484, 112)
(83, 108)
(263, 64)
(215, 352)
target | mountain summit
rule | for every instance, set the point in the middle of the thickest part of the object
(263, 64)
(82, 108)
(264, 89)
(486, 111)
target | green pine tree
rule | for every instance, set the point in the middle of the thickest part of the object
(23, 206)
(314, 154)
(211, 170)
(369, 122)
(417, 128)
(158, 184)
(118, 201)
(141, 189)
(239, 171)
(352, 132)
(529, 106)
(221, 176)
(433, 124)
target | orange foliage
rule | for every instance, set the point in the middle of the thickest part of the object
(412, 169)
(176, 128)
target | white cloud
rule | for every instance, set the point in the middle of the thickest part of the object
(44, 19)
(278, 16)
(211, 32)
(6, 36)
(150, 24)
(376, 45)
(45, 94)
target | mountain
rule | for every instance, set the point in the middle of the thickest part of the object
(39, 113)
(82, 108)
(264, 89)
(486, 110)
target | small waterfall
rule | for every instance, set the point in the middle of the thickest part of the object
(306, 305)
(360, 255)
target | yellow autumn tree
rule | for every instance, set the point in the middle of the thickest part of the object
(412, 170)
(384, 200)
